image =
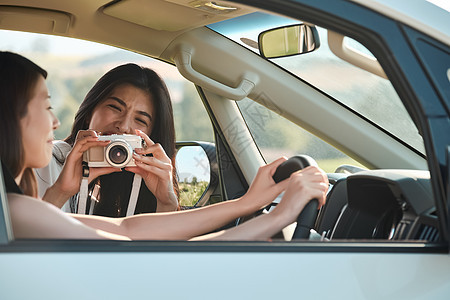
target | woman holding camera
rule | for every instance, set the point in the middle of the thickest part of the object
(26, 131)
(128, 99)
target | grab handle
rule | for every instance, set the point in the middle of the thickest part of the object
(183, 62)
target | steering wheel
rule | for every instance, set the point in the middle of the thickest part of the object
(307, 217)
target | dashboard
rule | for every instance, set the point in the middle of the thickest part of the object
(379, 204)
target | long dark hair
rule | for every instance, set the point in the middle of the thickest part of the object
(18, 77)
(147, 80)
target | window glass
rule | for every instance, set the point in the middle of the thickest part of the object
(74, 66)
(370, 95)
(277, 136)
(193, 174)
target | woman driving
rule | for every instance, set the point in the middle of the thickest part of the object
(26, 130)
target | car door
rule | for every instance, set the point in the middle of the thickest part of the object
(51, 269)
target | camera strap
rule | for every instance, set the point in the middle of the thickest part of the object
(134, 194)
(93, 198)
(82, 195)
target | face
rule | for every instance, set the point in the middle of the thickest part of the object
(126, 109)
(37, 127)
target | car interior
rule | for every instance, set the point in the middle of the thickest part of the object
(388, 196)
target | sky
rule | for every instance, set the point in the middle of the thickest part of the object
(445, 4)
(20, 41)
(192, 161)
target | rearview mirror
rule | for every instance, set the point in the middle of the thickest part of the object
(288, 40)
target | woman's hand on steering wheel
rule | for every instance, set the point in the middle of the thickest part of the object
(263, 189)
(309, 183)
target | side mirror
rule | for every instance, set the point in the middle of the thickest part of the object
(197, 173)
(288, 41)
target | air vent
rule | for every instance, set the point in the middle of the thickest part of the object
(402, 230)
(428, 233)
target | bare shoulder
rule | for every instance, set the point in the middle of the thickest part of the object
(23, 204)
(34, 218)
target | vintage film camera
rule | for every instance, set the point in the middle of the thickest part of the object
(118, 153)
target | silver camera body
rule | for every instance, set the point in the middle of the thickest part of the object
(118, 153)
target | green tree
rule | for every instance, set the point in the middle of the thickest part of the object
(192, 122)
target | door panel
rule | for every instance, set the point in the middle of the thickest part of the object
(224, 276)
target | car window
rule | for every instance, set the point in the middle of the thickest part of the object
(277, 136)
(74, 66)
(370, 95)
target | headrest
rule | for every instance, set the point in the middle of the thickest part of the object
(10, 183)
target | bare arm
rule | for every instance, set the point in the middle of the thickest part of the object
(260, 228)
(55, 196)
(183, 225)
(33, 218)
(303, 186)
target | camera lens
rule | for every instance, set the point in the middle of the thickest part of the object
(118, 154)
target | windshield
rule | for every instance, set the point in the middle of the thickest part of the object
(371, 96)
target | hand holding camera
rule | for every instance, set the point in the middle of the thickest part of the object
(132, 153)
(118, 153)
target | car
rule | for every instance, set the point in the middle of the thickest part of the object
(362, 87)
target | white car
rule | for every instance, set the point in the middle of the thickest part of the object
(363, 87)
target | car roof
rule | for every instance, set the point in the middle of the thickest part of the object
(170, 18)
(158, 22)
